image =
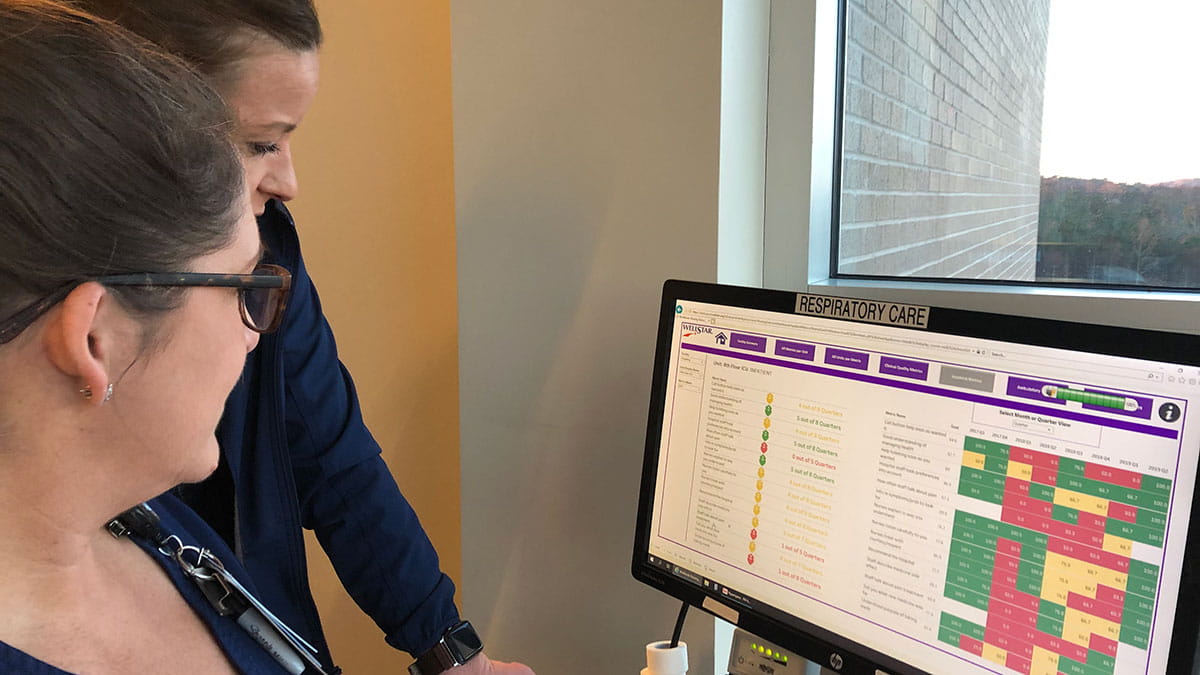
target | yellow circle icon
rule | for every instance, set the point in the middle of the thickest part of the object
(766, 422)
(754, 521)
(758, 485)
(770, 398)
(758, 496)
(761, 472)
(752, 547)
(757, 509)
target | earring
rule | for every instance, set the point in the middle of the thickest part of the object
(87, 392)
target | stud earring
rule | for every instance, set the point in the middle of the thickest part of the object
(87, 392)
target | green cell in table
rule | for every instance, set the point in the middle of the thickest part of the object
(977, 523)
(948, 635)
(989, 448)
(982, 477)
(1098, 488)
(1135, 637)
(1074, 483)
(1049, 625)
(1139, 533)
(1138, 605)
(962, 626)
(969, 575)
(1152, 519)
(1157, 502)
(1071, 667)
(1161, 486)
(1143, 587)
(1135, 623)
(960, 549)
(975, 537)
(1051, 609)
(967, 597)
(996, 465)
(1029, 569)
(1139, 569)
(1101, 660)
(1042, 492)
(1070, 467)
(987, 493)
(1029, 585)
(1065, 514)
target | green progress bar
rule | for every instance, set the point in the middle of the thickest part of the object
(1091, 398)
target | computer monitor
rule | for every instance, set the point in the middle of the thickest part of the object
(887, 488)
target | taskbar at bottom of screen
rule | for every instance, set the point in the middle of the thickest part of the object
(710, 587)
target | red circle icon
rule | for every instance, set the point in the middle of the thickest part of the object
(754, 534)
(750, 558)
(763, 447)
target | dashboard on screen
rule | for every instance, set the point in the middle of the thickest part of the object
(889, 488)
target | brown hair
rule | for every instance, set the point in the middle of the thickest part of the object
(114, 158)
(214, 35)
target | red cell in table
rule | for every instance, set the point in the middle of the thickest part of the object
(1044, 475)
(1110, 596)
(1103, 645)
(1015, 487)
(1125, 512)
(970, 644)
(1045, 460)
(1021, 455)
(1092, 521)
(1019, 662)
(1008, 547)
(1108, 474)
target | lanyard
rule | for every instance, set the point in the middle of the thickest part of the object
(224, 592)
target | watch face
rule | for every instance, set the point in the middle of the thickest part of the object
(463, 642)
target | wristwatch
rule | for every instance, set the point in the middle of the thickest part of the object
(458, 645)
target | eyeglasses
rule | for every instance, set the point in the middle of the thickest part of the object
(262, 295)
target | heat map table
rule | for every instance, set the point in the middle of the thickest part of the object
(1057, 575)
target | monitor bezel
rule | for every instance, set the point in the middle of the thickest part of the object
(810, 640)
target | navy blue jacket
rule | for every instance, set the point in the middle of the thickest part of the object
(296, 453)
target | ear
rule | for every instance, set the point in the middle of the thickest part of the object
(75, 341)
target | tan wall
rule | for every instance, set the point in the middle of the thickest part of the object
(376, 218)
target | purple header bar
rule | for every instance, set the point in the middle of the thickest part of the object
(846, 358)
(795, 350)
(949, 393)
(889, 365)
(753, 343)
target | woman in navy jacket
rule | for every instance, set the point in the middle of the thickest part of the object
(295, 450)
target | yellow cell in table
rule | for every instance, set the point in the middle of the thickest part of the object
(1080, 501)
(1054, 590)
(1113, 578)
(1118, 545)
(1043, 662)
(974, 460)
(1020, 470)
(994, 654)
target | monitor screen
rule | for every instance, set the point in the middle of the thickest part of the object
(888, 488)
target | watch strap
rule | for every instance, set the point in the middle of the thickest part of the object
(436, 660)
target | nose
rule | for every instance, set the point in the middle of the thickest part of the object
(280, 180)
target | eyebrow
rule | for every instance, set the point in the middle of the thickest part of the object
(281, 127)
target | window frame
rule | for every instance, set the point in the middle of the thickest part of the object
(802, 149)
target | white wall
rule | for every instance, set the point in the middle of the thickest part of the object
(586, 160)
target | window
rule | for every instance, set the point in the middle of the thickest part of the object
(1018, 140)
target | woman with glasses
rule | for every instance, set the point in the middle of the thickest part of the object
(131, 290)
(296, 453)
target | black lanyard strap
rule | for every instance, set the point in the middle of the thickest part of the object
(228, 597)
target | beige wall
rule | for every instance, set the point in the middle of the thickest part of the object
(376, 218)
